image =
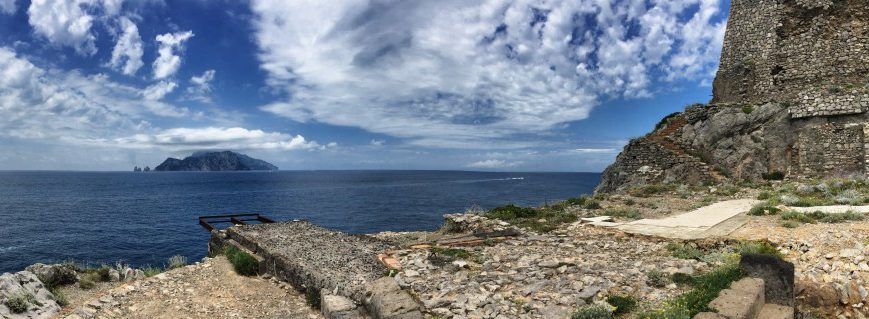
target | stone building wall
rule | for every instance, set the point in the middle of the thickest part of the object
(832, 149)
(788, 50)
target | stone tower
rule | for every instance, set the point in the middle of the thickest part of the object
(791, 96)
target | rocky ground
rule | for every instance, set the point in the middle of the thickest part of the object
(541, 276)
(832, 270)
(210, 289)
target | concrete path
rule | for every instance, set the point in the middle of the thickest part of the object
(836, 209)
(709, 221)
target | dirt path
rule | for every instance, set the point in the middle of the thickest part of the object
(210, 289)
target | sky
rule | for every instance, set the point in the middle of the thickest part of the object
(524, 85)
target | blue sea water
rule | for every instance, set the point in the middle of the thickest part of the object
(145, 218)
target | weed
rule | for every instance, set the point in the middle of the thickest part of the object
(763, 209)
(764, 195)
(592, 204)
(540, 220)
(707, 287)
(797, 217)
(682, 279)
(177, 261)
(243, 263)
(650, 190)
(841, 217)
(818, 216)
(453, 253)
(151, 271)
(629, 202)
(773, 176)
(625, 213)
(19, 303)
(623, 304)
(58, 297)
(86, 282)
(759, 247)
(789, 199)
(577, 201)
(312, 296)
(657, 279)
(683, 251)
(592, 312)
(790, 224)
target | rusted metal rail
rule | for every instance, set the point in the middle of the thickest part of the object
(235, 219)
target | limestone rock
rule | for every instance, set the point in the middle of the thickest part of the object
(26, 287)
(54, 275)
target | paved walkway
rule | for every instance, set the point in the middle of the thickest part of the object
(718, 219)
(837, 209)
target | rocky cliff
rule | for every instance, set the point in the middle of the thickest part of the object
(215, 161)
(790, 98)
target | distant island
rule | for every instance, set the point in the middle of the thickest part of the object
(216, 161)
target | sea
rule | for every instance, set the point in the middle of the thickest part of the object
(142, 219)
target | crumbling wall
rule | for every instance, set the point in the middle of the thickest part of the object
(831, 149)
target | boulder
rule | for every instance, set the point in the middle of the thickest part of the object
(777, 275)
(25, 290)
(338, 307)
(54, 275)
(386, 300)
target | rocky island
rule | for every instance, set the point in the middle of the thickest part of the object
(216, 161)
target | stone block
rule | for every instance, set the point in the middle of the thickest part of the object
(338, 307)
(773, 311)
(386, 300)
(743, 300)
(777, 275)
(709, 315)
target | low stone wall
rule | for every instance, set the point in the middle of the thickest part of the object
(331, 263)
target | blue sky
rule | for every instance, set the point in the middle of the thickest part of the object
(526, 85)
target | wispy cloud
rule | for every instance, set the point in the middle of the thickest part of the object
(169, 59)
(493, 164)
(235, 138)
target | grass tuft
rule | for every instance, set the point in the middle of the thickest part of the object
(19, 303)
(763, 209)
(623, 304)
(177, 261)
(759, 247)
(541, 220)
(243, 263)
(625, 213)
(684, 251)
(592, 312)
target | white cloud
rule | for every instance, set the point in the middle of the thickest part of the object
(7, 6)
(200, 89)
(39, 103)
(376, 142)
(493, 164)
(475, 74)
(64, 22)
(235, 138)
(169, 61)
(127, 54)
(158, 90)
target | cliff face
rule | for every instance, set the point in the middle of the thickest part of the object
(215, 161)
(790, 96)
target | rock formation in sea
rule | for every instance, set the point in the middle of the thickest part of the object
(215, 161)
(789, 100)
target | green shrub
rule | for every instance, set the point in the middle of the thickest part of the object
(773, 176)
(540, 220)
(683, 251)
(453, 253)
(624, 213)
(759, 247)
(764, 195)
(592, 204)
(58, 297)
(682, 279)
(706, 287)
(151, 271)
(243, 263)
(19, 303)
(797, 217)
(841, 217)
(630, 202)
(657, 279)
(650, 190)
(790, 224)
(592, 312)
(818, 216)
(763, 209)
(577, 201)
(177, 261)
(623, 304)
(312, 296)
(86, 283)
(747, 109)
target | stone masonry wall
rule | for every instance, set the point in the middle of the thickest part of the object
(813, 55)
(831, 149)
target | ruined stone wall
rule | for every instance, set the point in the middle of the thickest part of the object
(812, 55)
(745, 72)
(647, 162)
(830, 149)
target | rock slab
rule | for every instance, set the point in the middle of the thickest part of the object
(777, 275)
